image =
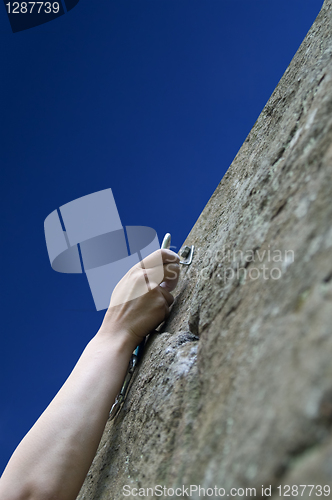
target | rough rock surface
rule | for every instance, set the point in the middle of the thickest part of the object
(237, 390)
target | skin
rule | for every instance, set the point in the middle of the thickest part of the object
(52, 460)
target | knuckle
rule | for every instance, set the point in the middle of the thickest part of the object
(158, 297)
(160, 301)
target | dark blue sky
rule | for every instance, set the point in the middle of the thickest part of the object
(152, 98)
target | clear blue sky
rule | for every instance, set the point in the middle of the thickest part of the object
(152, 98)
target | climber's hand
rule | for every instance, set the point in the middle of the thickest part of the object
(53, 458)
(141, 300)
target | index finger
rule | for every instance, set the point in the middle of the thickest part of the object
(160, 257)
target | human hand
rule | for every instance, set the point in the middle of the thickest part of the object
(54, 457)
(141, 300)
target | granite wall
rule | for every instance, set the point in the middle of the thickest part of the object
(236, 392)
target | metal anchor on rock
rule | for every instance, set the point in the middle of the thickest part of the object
(186, 253)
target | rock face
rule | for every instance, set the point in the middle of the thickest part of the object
(237, 390)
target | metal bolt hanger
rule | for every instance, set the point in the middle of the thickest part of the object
(187, 253)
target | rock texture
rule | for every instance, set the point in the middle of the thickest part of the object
(237, 390)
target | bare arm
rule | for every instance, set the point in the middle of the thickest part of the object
(54, 457)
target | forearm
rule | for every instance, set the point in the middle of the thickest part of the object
(54, 457)
(52, 460)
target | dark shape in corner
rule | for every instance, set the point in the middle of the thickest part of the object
(26, 15)
(70, 4)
